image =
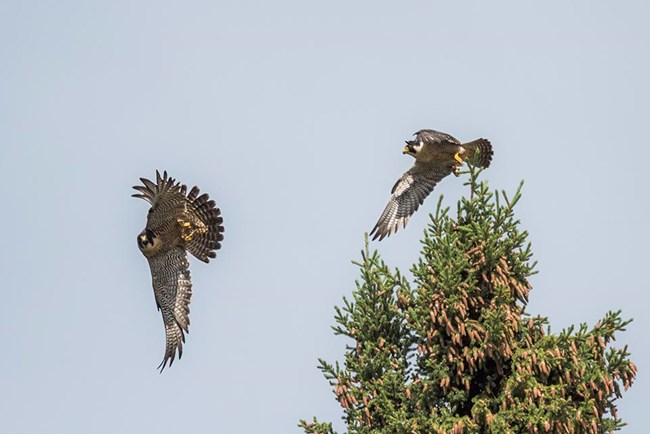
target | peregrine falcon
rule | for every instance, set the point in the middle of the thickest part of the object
(436, 156)
(178, 222)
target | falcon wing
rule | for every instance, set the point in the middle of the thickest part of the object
(166, 196)
(408, 194)
(435, 137)
(172, 287)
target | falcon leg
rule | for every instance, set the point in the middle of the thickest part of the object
(187, 231)
(456, 167)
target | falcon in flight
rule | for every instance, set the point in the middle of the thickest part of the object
(178, 222)
(436, 156)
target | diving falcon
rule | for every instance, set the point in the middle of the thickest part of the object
(436, 156)
(177, 222)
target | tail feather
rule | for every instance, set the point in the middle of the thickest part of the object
(479, 152)
(205, 242)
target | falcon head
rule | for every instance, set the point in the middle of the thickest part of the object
(148, 242)
(412, 147)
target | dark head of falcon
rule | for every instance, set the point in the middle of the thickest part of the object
(146, 240)
(412, 147)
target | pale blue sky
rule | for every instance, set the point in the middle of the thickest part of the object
(292, 116)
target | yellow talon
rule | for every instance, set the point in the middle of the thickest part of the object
(187, 232)
(458, 158)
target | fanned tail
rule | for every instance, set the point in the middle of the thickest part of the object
(479, 152)
(207, 241)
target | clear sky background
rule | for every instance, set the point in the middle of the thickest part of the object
(292, 116)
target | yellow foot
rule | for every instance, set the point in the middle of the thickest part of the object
(456, 167)
(187, 232)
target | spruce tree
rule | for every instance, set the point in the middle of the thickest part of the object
(455, 351)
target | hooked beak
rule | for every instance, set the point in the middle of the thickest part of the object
(407, 149)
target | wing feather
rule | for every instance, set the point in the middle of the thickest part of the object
(172, 286)
(408, 194)
(435, 137)
(154, 193)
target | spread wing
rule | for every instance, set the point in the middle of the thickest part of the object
(172, 288)
(166, 196)
(408, 193)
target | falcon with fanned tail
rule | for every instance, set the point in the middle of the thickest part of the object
(178, 222)
(436, 156)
